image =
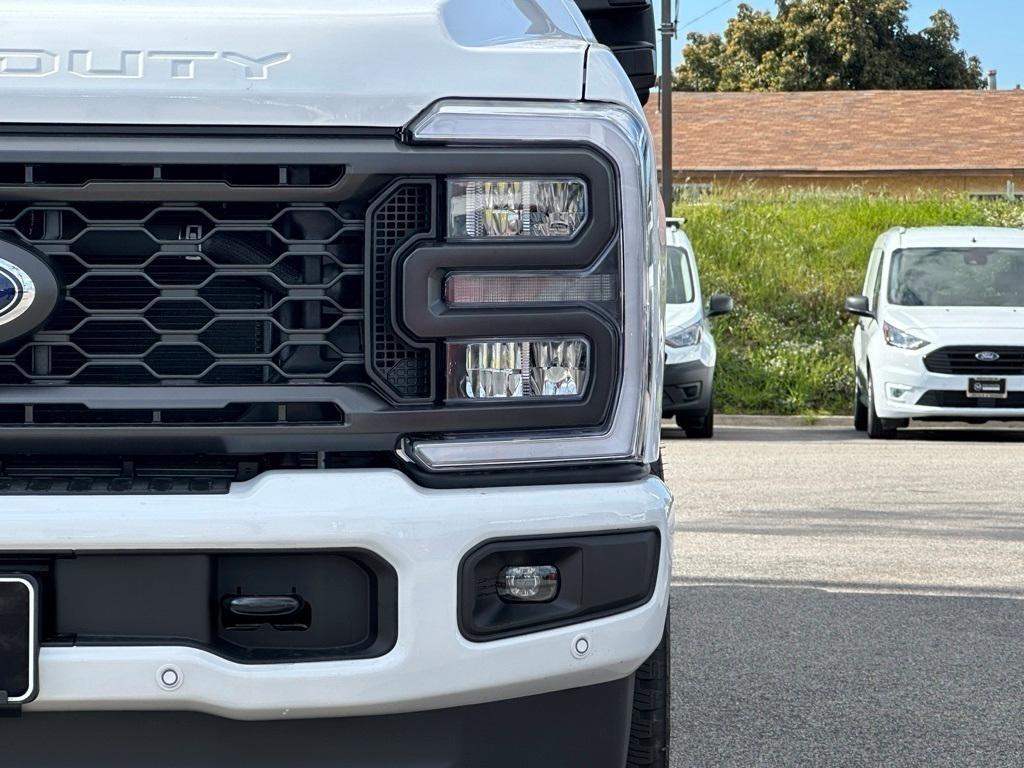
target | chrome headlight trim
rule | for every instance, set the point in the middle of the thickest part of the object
(633, 431)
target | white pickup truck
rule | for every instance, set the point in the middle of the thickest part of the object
(330, 382)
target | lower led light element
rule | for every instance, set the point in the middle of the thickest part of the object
(515, 208)
(528, 583)
(517, 369)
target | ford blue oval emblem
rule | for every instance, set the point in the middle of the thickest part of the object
(17, 292)
(29, 290)
(987, 357)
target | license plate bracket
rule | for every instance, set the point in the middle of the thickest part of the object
(987, 388)
(19, 639)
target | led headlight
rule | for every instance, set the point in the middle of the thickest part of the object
(894, 337)
(489, 370)
(689, 336)
(610, 212)
(481, 208)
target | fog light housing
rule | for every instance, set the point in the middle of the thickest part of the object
(517, 369)
(482, 208)
(528, 583)
(898, 392)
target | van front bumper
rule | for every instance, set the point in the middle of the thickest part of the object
(688, 389)
(423, 534)
(941, 396)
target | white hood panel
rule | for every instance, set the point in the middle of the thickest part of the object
(354, 63)
(955, 318)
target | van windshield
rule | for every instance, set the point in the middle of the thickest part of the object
(680, 280)
(957, 277)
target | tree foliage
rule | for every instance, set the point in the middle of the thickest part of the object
(816, 45)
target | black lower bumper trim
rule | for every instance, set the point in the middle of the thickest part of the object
(688, 388)
(582, 727)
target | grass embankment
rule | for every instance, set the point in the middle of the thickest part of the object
(790, 259)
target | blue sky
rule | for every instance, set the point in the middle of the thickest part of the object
(990, 29)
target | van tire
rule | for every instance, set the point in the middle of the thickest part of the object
(877, 428)
(705, 429)
(860, 410)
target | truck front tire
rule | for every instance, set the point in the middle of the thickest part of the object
(650, 727)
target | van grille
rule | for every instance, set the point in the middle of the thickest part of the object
(940, 398)
(963, 361)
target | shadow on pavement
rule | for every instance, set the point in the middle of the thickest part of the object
(806, 677)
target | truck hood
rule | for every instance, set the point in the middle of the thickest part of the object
(353, 63)
(959, 318)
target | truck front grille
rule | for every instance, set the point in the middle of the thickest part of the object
(171, 293)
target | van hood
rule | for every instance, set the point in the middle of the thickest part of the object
(679, 316)
(353, 63)
(924, 319)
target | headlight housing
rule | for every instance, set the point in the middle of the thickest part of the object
(894, 337)
(621, 326)
(690, 336)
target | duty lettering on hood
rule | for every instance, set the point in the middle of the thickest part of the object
(176, 65)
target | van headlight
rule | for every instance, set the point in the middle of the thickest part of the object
(690, 336)
(894, 337)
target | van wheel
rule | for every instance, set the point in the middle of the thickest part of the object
(706, 427)
(877, 428)
(649, 728)
(860, 411)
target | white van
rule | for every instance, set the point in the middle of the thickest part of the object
(690, 350)
(940, 335)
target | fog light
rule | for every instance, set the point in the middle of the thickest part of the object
(488, 370)
(510, 208)
(897, 391)
(528, 583)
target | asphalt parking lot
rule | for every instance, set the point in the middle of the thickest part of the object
(845, 602)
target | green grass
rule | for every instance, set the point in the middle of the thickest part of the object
(790, 259)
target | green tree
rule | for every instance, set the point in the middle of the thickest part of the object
(820, 45)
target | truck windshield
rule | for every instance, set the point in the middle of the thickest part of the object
(680, 280)
(957, 277)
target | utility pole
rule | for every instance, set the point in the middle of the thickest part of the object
(668, 33)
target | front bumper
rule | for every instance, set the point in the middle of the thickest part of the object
(422, 533)
(688, 389)
(580, 727)
(919, 382)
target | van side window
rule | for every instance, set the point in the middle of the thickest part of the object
(869, 280)
(876, 292)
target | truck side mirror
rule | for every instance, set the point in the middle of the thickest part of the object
(860, 306)
(627, 27)
(720, 304)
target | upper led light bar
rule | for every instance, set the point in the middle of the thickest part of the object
(483, 208)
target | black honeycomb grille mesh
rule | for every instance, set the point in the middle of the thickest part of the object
(234, 293)
(406, 212)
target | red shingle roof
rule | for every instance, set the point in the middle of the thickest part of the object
(843, 131)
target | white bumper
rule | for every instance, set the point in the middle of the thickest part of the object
(907, 369)
(422, 533)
